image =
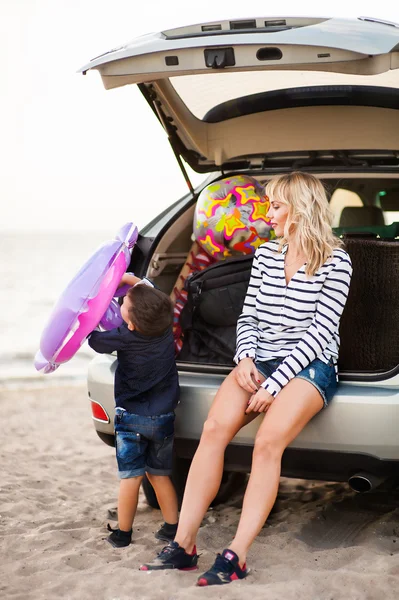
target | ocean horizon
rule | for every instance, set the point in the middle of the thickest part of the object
(35, 269)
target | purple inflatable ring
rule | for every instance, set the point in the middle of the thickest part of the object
(86, 302)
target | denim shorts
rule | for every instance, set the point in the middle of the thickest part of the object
(143, 444)
(320, 374)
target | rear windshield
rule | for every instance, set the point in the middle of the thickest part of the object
(382, 213)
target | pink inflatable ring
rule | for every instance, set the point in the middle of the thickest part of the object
(86, 302)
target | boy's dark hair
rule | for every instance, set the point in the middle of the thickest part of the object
(151, 310)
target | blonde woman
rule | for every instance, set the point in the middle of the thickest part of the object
(287, 350)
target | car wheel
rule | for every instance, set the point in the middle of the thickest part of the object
(231, 483)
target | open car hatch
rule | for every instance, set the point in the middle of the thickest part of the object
(201, 80)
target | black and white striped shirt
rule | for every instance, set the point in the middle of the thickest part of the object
(297, 322)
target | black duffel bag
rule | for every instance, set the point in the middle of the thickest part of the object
(209, 318)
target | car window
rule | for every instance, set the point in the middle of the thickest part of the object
(339, 200)
(391, 217)
(379, 207)
(388, 199)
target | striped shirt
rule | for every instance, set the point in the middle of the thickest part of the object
(297, 322)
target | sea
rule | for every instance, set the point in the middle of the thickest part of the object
(35, 268)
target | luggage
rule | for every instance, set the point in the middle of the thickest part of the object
(208, 320)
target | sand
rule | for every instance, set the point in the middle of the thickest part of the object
(322, 542)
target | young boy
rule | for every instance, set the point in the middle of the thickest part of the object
(146, 394)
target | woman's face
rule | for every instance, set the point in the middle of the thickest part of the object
(278, 213)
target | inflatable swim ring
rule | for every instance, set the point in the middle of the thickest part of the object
(86, 302)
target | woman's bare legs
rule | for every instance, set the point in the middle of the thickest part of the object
(226, 417)
(294, 406)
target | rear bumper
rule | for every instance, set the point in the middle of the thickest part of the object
(358, 431)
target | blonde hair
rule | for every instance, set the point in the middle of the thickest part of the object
(309, 216)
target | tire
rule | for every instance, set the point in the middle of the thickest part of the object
(231, 483)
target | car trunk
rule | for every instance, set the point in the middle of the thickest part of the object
(370, 325)
(209, 87)
(265, 96)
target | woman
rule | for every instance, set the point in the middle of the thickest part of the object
(287, 350)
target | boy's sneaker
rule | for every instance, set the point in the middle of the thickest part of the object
(167, 532)
(173, 557)
(118, 538)
(225, 569)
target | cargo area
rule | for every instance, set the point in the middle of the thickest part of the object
(366, 217)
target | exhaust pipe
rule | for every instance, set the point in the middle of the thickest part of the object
(365, 482)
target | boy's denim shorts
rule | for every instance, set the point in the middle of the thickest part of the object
(320, 374)
(143, 444)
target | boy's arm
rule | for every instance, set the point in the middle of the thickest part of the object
(131, 280)
(106, 342)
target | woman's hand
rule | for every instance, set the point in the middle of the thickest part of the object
(260, 401)
(247, 375)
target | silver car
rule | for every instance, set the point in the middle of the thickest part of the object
(260, 97)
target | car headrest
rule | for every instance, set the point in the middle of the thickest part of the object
(358, 216)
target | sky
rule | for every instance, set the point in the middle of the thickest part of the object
(74, 156)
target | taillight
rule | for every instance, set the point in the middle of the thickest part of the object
(99, 413)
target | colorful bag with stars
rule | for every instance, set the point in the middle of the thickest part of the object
(230, 217)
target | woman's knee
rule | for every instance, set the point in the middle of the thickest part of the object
(269, 445)
(214, 431)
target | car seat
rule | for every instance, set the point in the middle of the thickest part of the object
(359, 216)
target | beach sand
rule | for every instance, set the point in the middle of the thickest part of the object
(321, 542)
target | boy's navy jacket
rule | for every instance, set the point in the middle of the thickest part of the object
(146, 380)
